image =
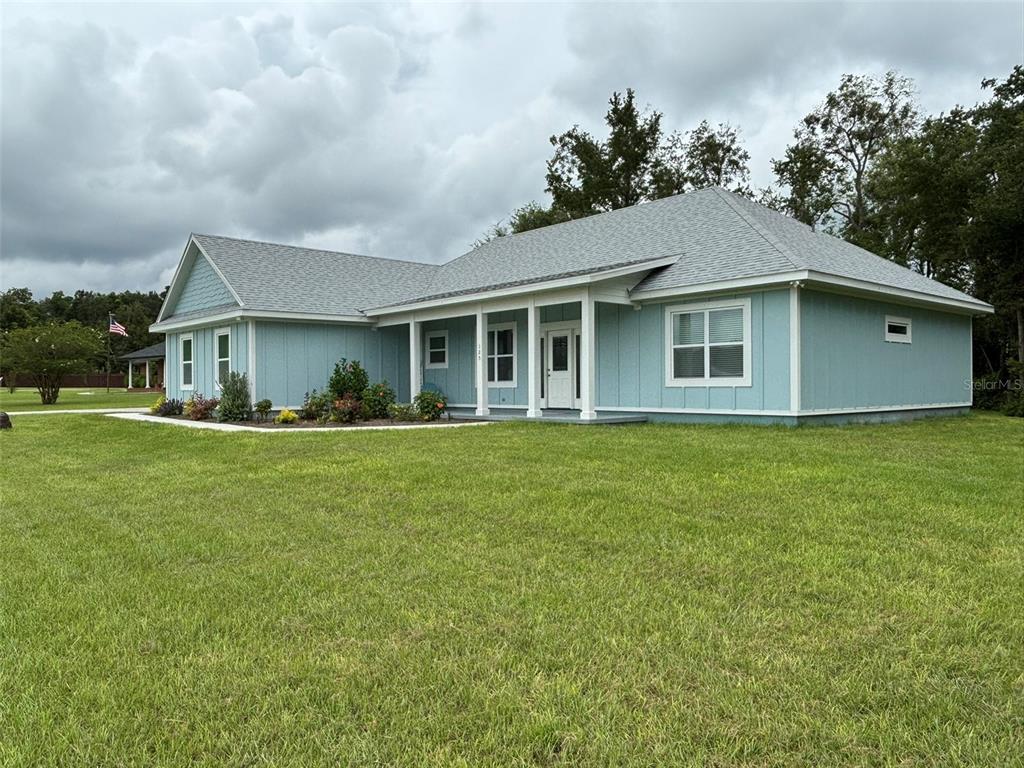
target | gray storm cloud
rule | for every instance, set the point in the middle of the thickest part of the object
(398, 131)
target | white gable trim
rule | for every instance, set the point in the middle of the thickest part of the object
(248, 314)
(185, 266)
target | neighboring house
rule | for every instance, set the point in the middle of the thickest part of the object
(150, 360)
(699, 307)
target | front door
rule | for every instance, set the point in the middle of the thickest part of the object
(559, 369)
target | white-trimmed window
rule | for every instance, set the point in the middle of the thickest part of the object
(222, 349)
(437, 349)
(186, 346)
(897, 329)
(501, 355)
(708, 345)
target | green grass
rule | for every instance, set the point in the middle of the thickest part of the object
(27, 399)
(514, 594)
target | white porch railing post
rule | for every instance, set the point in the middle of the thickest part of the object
(481, 363)
(147, 374)
(129, 374)
(588, 354)
(533, 362)
(415, 357)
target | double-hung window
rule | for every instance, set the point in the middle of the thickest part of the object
(437, 349)
(185, 342)
(708, 345)
(223, 347)
(501, 355)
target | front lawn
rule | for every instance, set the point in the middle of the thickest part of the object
(512, 594)
(27, 399)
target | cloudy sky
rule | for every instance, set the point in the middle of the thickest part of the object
(400, 131)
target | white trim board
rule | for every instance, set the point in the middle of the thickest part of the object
(752, 412)
(239, 313)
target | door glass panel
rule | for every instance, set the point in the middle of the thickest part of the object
(577, 366)
(559, 353)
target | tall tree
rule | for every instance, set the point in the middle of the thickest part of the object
(715, 157)
(996, 231)
(826, 168)
(587, 176)
(17, 309)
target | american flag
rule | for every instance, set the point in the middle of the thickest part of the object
(116, 327)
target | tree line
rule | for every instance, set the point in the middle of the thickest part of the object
(942, 194)
(133, 309)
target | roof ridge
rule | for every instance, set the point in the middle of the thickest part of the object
(317, 250)
(768, 237)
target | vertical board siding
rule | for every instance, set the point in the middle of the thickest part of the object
(457, 381)
(204, 359)
(631, 359)
(295, 358)
(203, 289)
(846, 362)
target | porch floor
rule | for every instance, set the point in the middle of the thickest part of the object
(551, 416)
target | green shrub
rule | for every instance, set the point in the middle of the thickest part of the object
(199, 407)
(286, 417)
(403, 412)
(170, 408)
(346, 410)
(316, 406)
(262, 408)
(155, 407)
(349, 379)
(430, 405)
(1014, 405)
(235, 404)
(377, 398)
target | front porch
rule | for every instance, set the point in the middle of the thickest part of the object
(530, 357)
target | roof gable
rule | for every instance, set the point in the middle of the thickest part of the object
(198, 287)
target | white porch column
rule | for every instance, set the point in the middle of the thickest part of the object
(533, 360)
(481, 363)
(588, 355)
(415, 357)
(147, 374)
(129, 374)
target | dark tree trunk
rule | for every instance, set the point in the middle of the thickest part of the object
(1020, 334)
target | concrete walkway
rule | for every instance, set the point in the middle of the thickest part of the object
(222, 427)
(78, 410)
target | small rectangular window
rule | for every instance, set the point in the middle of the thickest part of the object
(501, 355)
(897, 329)
(437, 349)
(223, 339)
(186, 361)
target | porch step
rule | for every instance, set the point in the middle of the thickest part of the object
(552, 417)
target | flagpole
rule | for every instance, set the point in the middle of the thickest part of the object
(109, 316)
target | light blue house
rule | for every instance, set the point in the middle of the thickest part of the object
(700, 307)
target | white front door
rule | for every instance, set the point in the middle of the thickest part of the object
(559, 388)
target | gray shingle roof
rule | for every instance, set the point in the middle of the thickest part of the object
(753, 228)
(285, 278)
(146, 353)
(716, 235)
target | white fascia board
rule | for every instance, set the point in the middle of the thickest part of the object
(818, 280)
(900, 295)
(175, 287)
(244, 314)
(719, 286)
(525, 289)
